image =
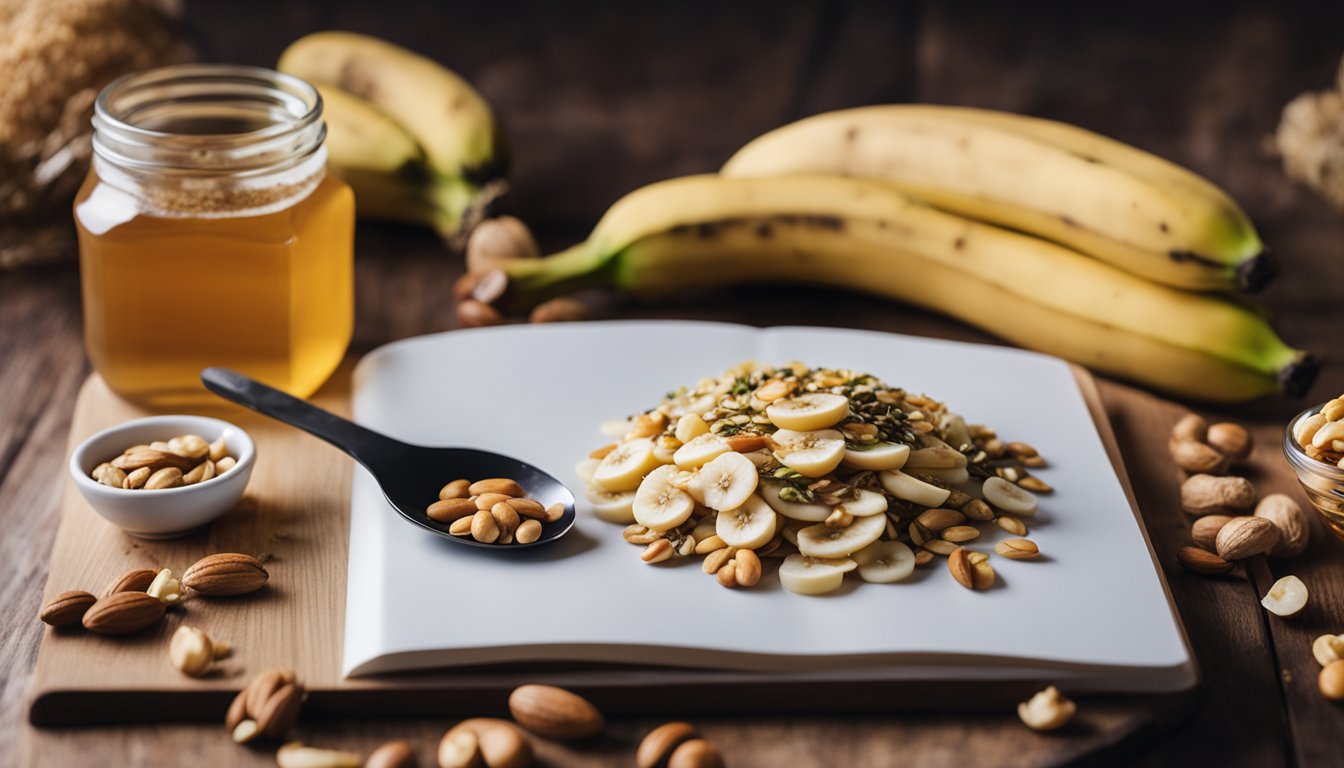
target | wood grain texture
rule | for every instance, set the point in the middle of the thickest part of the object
(613, 97)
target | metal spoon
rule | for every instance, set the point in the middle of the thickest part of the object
(410, 476)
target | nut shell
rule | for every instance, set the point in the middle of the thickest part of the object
(1209, 495)
(227, 573)
(1244, 537)
(1197, 457)
(123, 613)
(1286, 515)
(1191, 427)
(1205, 530)
(67, 609)
(555, 712)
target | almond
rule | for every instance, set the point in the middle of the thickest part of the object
(123, 613)
(1209, 495)
(659, 744)
(502, 485)
(133, 581)
(1243, 537)
(259, 691)
(530, 508)
(558, 310)
(1286, 515)
(1206, 528)
(695, 753)
(1197, 457)
(155, 460)
(67, 609)
(225, 574)
(449, 510)
(1202, 561)
(237, 712)
(392, 754)
(502, 744)
(554, 712)
(281, 712)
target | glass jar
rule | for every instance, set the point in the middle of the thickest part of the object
(211, 234)
(1322, 481)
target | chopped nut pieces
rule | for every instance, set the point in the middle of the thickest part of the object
(1047, 710)
(1286, 598)
(1328, 649)
(492, 511)
(182, 460)
(826, 469)
(191, 651)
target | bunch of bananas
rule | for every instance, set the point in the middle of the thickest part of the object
(414, 140)
(1049, 236)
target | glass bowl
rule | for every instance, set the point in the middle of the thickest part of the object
(1324, 483)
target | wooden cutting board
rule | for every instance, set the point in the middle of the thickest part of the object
(296, 516)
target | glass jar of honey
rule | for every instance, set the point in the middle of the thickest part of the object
(211, 234)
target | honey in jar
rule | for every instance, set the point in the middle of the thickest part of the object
(211, 234)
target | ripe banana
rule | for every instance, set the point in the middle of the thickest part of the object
(1098, 196)
(414, 140)
(447, 117)
(701, 231)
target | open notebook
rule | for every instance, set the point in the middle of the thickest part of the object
(1093, 610)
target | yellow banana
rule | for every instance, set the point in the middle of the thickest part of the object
(1098, 196)
(388, 170)
(852, 233)
(445, 115)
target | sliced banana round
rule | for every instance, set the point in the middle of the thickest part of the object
(805, 575)
(1006, 497)
(749, 526)
(878, 456)
(585, 469)
(912, 489)
(811, 454)
(617, 507)
(626, 465)
(659, 504)
(823, 541)
(938, 455)
(885, 562)
(728, 481)
(812, 512)
(865, 503)
(813, 410)
(700, 450)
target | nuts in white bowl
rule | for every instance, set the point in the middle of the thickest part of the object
(172, 510)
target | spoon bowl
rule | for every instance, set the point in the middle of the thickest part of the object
(409, 476)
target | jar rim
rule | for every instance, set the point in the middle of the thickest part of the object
(289, 108)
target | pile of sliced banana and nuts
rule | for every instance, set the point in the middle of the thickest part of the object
(831, 470)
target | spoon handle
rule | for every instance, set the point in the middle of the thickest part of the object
(363, 445)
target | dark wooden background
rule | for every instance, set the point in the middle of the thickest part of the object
(601, 98)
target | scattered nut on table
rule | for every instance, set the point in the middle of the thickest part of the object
(1047, 710)
(1286, 598)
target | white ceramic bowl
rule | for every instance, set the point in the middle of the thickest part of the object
(168, 512)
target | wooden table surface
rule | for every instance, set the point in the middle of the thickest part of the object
(600, 102)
